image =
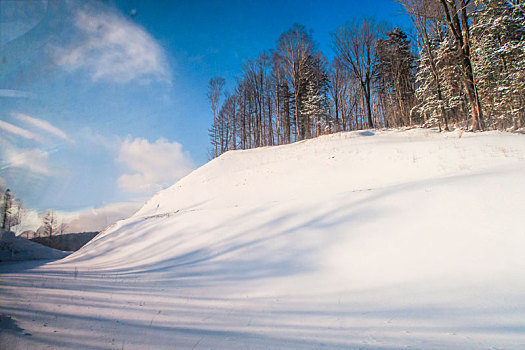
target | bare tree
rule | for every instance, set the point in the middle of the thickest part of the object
(425, 15)
(354, 44)
(338, 78)
(61, 229)
(10, 210)
(7, 202)
(457, 19)
(215, 88)
(293, 50)
(50, 223)
(498, 53)
(257, 77)
(282, 101)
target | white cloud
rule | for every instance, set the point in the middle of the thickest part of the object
(43, 125)
(30, 221)
(153, 166)
(97, 219)
(14, 93)
(34, 159)
(114, 49)
(17, 130)
(93, 137)
(87, 220)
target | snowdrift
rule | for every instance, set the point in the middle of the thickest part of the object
(371, 239)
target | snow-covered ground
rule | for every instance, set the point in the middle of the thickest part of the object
(13, 248)
(365, 240)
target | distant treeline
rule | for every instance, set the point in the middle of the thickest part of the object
(465, 67)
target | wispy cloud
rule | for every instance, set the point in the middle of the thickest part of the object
(34, 160)
(114, 49)
(43, 125)
(94, 138)
(15, 93)
(17, 130)
(152, 166)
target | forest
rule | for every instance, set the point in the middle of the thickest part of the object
(464, 67)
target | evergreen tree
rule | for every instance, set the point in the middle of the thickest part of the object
(314, 96)
(394, 77)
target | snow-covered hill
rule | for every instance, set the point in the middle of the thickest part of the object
(374, 239)
(13, 248)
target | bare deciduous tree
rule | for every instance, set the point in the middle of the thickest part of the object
(355, 44)
(425, 16)
(50, 223)
(457, 19)
(293, 50)
(215, 88)
(10, 210)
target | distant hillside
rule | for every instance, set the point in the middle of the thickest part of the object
(13, 248)
(67, 242)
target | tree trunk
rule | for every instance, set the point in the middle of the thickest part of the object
(368, 106)
(297, 128)
(460, 31)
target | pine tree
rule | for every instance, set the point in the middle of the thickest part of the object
(394, 77)
(314, 97)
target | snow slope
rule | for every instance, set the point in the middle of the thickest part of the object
(13, 248)
(373, 239)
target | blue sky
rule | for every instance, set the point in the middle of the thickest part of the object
(105, 102)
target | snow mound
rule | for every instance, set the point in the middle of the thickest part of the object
(14, 248)
(358, 240)
(355, 209)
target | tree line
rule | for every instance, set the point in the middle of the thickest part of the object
(12, 213)
(465, 67)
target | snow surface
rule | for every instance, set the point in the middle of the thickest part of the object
(365, 240)
(13, 248)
